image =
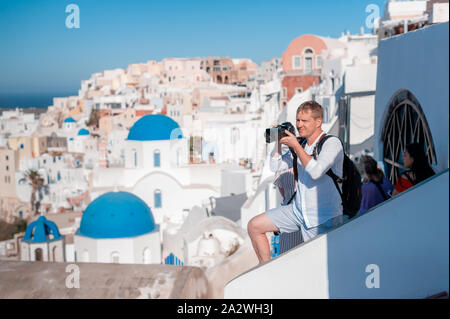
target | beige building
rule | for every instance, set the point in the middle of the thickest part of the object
(8, 164)
(120, 118)
(28, 146)
(10, 205)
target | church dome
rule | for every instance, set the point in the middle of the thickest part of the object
(69, 120)
(116, 215)
(83, 131)
(155, 127)
(41, 230)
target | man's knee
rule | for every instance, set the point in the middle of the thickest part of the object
(254, 225)
(259, 225)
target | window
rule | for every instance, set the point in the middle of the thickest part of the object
(284, 92)
(55, 253)
(298, 90)
(7, 157)
(147, 256)
(38, 254)
(135, 157)
(115, 257)
(296, 62)
(86, 256)
(309, 51)
(157, 158)
(308, 64)
(318, 61)
(157, 198)
(21, 146)
(405, 123)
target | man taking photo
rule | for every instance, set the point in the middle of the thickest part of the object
(316, 206)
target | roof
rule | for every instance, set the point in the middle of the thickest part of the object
(155, 127)
(69, 120)
(83, 131)
(116, 215)
(31, 280)
(41, 230)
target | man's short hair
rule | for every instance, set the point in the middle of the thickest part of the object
(314, 107)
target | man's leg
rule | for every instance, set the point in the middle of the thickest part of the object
(257, 228)
(310, 233)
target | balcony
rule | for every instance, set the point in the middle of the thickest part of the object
(316, 72)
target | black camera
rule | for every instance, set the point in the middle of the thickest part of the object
(276, 133)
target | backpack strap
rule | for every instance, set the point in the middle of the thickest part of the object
(294, 166)
(378, 185)
(336, 179)
(317, 150)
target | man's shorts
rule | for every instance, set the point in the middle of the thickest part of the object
(288, 221)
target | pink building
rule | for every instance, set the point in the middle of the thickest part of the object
(303, 61)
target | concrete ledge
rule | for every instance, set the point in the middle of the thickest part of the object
(42, 280)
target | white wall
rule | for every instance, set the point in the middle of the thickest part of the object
(405, 237)
(70, 253)
(416, 61)
(124, 246)
(130, 249)
(152, 242)
(172, 152)
(235, 181)
(362, 112)
(174, 196)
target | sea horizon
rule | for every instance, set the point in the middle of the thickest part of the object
(30, 99)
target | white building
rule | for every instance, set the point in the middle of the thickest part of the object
(42, 242)
(156, 169)
(118, 227)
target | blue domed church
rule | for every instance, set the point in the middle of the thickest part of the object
(155, 141)
(42, 242)
(157, 171)
(118, 227)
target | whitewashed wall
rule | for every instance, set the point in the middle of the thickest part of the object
(406, 237)
(416, 61)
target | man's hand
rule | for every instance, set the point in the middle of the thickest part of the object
(290, 140)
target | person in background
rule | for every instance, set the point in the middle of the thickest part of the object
(376, 188)
(418, 168)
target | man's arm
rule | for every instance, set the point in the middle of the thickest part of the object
(330, 153)
(291, 141)
(280, 162)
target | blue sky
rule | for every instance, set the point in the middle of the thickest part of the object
(39, 54)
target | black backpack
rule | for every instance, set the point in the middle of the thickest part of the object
(351, 181)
